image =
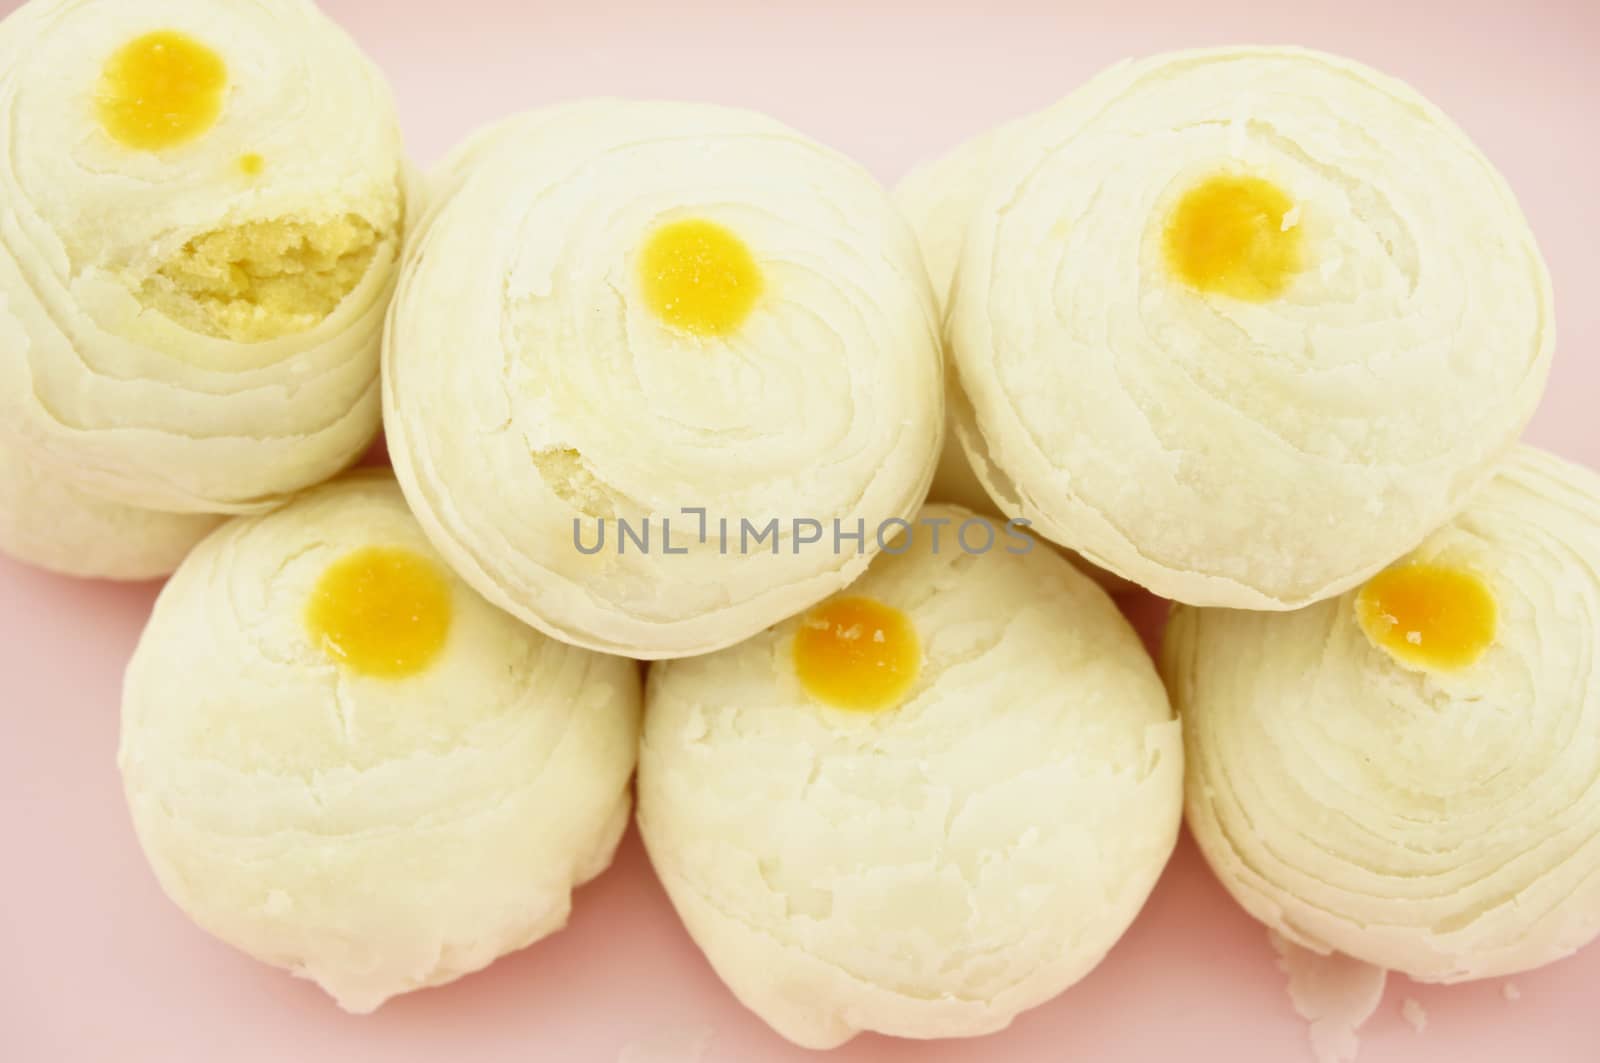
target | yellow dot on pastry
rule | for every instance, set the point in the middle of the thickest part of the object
(857, 653)
(161, 90)
(699, 277)
(252, 164)
(381, 611)
(1237, 236)
(1431, 616)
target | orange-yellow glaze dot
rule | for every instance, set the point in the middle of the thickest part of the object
(381, 611)
(251, 164)
(161, 90)
(1431, 616)
(1236, 236)
(857, 653)
(699, 277)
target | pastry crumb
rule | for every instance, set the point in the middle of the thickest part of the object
(1414, 1014)
(1334, 993)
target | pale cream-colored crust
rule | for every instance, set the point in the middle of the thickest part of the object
(935, 869)
(527, 386)
(1230, 453)
(374, 835)
(938, 198)
(120, 377)
(47, 522)
(1446, 825)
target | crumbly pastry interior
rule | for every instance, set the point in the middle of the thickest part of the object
(207, 214)
(246, 283)
(264, 280)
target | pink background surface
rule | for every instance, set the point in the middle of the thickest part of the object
(99, 966)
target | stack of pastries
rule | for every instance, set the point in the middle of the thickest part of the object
(1256, 330)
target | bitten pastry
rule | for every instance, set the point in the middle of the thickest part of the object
(1244, 326)
(1410, 773)
(922, 807)
(203, 210)
(615, 312)
(342, 761)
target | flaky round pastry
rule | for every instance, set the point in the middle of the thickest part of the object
(1439, 821)
(203, 210)
(618, 311)
(934, 861)
(1245, 325)
(47, 522)
(344, 762)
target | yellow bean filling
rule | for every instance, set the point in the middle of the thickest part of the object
(1431, 616)
(857, 653)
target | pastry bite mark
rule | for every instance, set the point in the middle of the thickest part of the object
(699, 277)
(1235, 235)
(857, 653)
(381, 611)
(263, 280)
(161, 90)
(1430, 616)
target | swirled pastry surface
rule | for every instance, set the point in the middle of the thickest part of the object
(920, 808)
(615, 311)
(1424, 809)
(204, 201)
(1244, 325)
(342, 761)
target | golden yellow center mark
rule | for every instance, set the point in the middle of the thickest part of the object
(161, 90)
(381, 611)
(1431, 616)
(857, 653)
(699, 277)
(1237, 236)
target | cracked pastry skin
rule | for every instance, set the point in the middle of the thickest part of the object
(1439, 821)
(204, 203)
(1219, 441)
(936, 867)
(531, 385)
(376, 824)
